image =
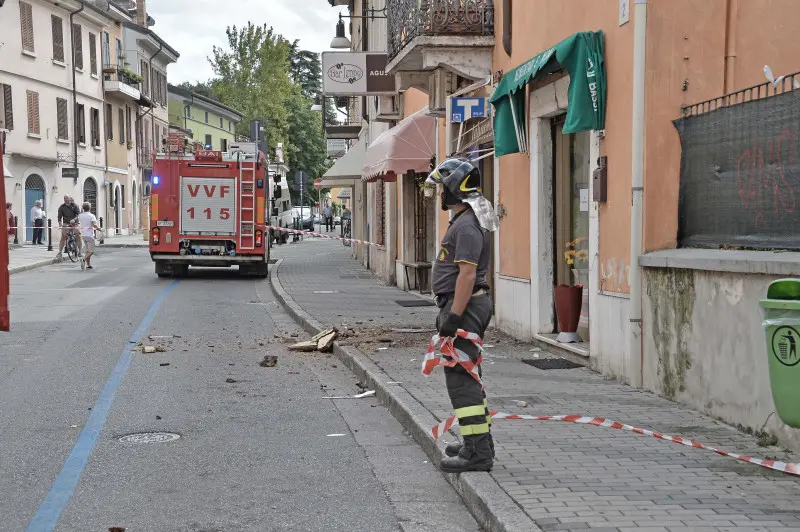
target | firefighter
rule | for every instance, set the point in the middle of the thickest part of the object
(462, 294)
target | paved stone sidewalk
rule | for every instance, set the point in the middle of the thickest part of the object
(565, 476)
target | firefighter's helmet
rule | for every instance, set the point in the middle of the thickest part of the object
(459, 176)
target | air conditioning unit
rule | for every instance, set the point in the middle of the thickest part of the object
(390, 108)
(440, 84)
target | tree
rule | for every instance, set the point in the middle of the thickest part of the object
(306, 148)
(306, 71)
(203, 89)
(252, 77)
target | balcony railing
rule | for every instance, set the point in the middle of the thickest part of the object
(144, 156)
(116, 73)
(409, 19)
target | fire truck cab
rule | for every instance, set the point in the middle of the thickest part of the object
(208, 208)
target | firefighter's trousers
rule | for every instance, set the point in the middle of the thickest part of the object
(466, 394)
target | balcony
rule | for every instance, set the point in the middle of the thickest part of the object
(121, 82)
(144, 157)
(425, 35)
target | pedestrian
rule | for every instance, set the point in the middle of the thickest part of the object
(459, 281)
(11, 226)
(328, 218)
(88, 225)
(37, 219)
(67, 212)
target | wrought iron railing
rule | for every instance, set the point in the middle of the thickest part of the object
(144, 156)
(116, 73)
(783, 84)
(409, 19)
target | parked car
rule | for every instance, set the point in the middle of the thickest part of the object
(337, 220)
(306, 217)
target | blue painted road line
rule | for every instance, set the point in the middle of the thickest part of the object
(48, 513)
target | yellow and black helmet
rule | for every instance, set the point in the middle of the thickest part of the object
(458, 175)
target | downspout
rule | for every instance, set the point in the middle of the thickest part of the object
(74, 90)
(507, 27)
(150, 63)
(731, 27)
(635, 366)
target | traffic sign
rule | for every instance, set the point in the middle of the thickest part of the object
(318, 183)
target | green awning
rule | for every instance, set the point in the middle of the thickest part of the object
(582, 56)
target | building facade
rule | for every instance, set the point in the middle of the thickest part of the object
(211, 123)
(147, 56)
(51, 117)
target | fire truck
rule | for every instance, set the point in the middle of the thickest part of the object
(208, 208)
(5, 319)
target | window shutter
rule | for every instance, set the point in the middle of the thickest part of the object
(77, 38)
(33, 113)
(109, 122)
(93, 53)
(26, 23)
(121, 119)
(63, 123)
(8, 107)
(58, 38)
(80, 121)
(94, 116)
(128, 128)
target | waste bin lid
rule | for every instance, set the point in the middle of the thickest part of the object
(784, 289)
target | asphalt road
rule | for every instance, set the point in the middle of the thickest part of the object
(259, 449)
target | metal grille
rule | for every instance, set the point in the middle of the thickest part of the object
(409, 19)
(90, 194)
(740, 175)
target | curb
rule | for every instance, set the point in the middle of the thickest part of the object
(31, 266)
(489, 504)
(112, 245)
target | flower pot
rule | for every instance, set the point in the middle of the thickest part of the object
(569, 300)
(428, 192)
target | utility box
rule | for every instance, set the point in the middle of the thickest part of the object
(781, 310)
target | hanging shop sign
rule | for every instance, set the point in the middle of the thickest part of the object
(356, 74)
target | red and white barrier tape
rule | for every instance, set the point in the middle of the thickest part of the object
(443, 352)
(320, 235)
(784, 467)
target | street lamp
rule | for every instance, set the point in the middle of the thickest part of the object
(340, 42)
(317, 106)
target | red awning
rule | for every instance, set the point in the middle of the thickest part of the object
(407, 147)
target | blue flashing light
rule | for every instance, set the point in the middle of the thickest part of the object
(209, 147)
(156, 180)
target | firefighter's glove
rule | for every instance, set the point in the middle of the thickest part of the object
(450, 325)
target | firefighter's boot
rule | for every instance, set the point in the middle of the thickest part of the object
(474, 455)
(453, 448)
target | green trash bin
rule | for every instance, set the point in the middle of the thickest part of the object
(781, 323)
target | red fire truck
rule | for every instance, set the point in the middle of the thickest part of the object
(5, 324)
(208, 208)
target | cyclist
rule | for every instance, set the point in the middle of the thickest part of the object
(67, 215)
(88, 225)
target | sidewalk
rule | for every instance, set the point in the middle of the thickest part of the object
(28, 257)
(562, 476)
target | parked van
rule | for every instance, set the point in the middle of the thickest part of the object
(283, 204)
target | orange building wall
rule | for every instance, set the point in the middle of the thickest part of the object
(535, 27)
(686, 40)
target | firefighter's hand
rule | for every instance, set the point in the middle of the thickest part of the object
(450, 325)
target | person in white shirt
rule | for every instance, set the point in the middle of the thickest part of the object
(88, 225)
(37, 219)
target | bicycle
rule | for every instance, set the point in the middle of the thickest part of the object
(71, 246)
(346, 231)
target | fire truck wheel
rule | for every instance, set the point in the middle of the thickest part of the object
(162, 270)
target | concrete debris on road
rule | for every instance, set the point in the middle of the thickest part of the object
(153, 349)
(270, 361)
(322, 342)
(370, 393)
(230, 380)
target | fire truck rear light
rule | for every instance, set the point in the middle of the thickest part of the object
(259, 238)
(156, 235)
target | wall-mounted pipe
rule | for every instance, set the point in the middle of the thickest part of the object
(635, 363)
(731, 30)
(507, 26)
(74, 88)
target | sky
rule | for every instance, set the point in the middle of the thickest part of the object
(194, 28)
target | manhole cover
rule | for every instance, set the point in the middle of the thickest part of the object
(552, 363)
(150, 437)
(414, 303)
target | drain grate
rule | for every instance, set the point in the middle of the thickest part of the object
(150, 437)
(552, 363)
(411, 303)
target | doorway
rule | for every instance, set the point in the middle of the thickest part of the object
(117, 207)
(90, 194)
(571, 214)
(34, 191)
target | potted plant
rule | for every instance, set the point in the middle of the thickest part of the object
(569, 299)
